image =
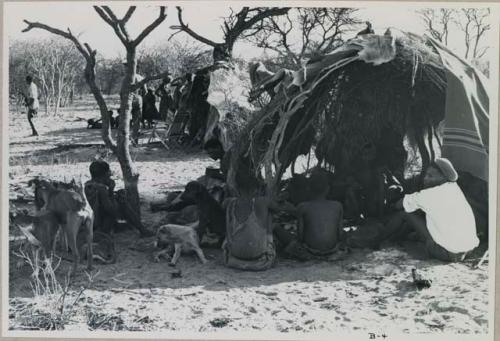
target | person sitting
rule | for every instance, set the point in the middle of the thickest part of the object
(108, 205)
(439, 213)
(319, 223)
(249, 241)
(215, 151)
(96, 123)
(320, 220)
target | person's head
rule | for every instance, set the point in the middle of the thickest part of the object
(214, 149)
(99, 169)
(29, 79)
(150, 91)
(318, 184)
(439, 172)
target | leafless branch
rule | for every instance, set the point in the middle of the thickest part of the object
(90, 56)
(161, 17)
(67, 35)
(182, 27)
(110, 18)
(320, 31)
(128, 15)
(148, 79)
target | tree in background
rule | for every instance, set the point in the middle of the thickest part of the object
(438, 22)
(109, 73)
(243, 24)
(303, 33)
(55, 65)
(472, 23)
(129, 85)
(180, 57)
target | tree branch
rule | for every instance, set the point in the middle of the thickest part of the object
(67, 35)
(112, 21)
(127, 15)
(151, 27)
(145, 80)
(89, 54)
(182, 27)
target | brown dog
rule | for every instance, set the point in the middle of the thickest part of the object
(182, 237)
(42, 233)
(70, 209)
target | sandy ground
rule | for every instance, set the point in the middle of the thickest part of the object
(368, 290)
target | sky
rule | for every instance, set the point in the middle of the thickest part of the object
(204, 17)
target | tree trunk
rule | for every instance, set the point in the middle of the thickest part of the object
(106, 128)
(222, 52)
(130, 174)
(47, 104)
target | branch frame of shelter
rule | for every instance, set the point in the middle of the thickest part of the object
(414, 61)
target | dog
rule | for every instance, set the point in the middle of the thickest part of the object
(42, 233)
(66, 205)
(42, 187)
(182, 237)
(212, 216)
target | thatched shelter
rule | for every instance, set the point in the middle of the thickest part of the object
(388, 93)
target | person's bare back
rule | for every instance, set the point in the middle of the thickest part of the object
(320, 223)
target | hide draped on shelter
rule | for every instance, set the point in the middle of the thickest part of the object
(392, 94)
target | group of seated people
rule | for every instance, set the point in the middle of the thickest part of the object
(438, 214)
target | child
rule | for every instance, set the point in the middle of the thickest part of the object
(319, 223)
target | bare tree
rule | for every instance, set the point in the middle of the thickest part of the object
(245, 23)
(317, 30)
(109, 73)
(438, 21)
(121, 148)
(54, 64)
(474, 23)
(181, 58)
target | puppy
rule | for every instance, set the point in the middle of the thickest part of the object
(212, 215)
(71, 210)
(182, 237)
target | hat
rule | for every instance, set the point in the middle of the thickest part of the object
(445, 166)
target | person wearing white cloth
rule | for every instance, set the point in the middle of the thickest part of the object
(440, 214)
(31, 102)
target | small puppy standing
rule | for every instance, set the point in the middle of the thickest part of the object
(182, 237)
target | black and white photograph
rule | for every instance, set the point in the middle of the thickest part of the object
(249, 170)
